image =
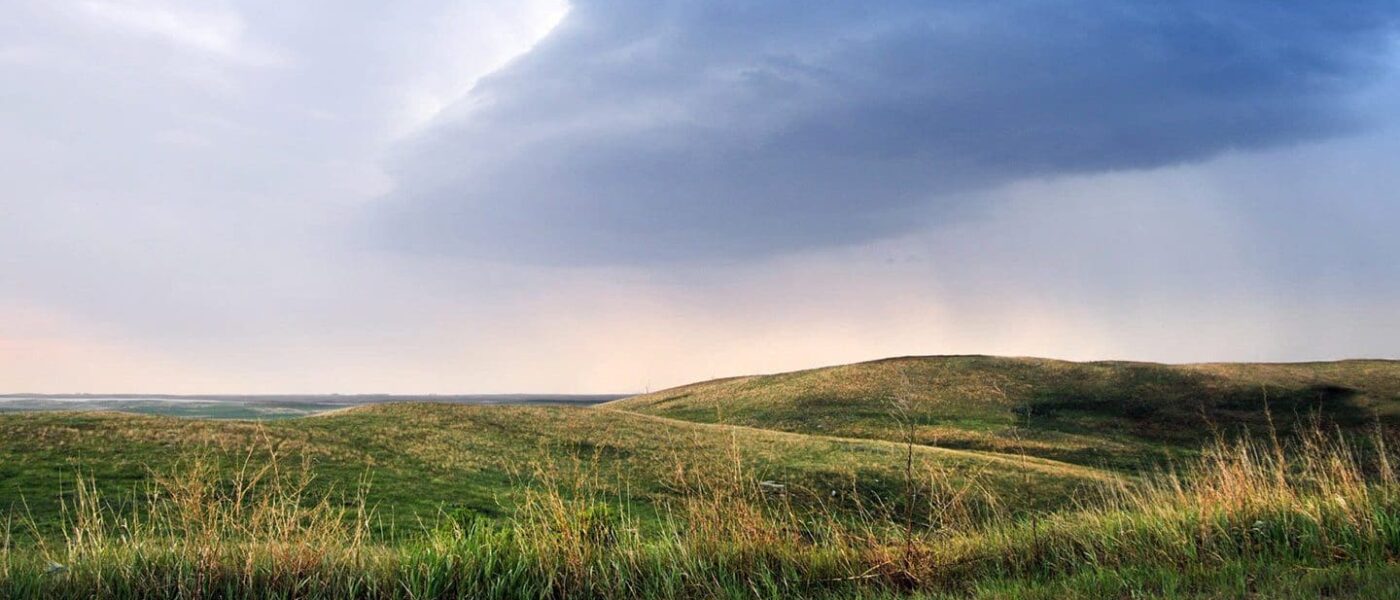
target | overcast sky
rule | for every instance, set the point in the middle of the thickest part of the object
(610, 195)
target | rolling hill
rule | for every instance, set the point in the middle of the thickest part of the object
(801, 484)
(1096, 413)
(419, 460)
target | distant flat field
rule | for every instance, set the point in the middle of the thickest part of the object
(261, 407)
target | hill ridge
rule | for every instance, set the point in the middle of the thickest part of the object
(1080, 412)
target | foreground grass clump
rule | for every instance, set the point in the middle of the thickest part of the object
(1316, 517)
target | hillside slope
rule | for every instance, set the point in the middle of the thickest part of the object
(1096, 413)
(420, 459)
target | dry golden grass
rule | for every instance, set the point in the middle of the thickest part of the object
(1320, 504)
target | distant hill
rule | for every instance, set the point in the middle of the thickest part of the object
(1097, 413)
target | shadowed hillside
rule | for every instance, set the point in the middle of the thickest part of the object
(1114, 413)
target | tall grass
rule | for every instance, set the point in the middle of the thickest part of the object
(1319, 502)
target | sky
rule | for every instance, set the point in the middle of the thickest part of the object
(254, 196)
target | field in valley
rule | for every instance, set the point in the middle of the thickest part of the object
(912, 477)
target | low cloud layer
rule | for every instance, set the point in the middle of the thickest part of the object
(647, 132)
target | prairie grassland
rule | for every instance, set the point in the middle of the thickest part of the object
(1314, 516)
(1063, 480)
(1120, 415)
(417, 460)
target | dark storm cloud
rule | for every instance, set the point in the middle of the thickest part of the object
(648, 131)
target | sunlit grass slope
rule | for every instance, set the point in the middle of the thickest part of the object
(1098, 413)
(1316, 517)
(419, 460)
(454, 501)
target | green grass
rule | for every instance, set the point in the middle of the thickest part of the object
(1116, 414)
(949, 477)
(1249, 520)
(422, 459)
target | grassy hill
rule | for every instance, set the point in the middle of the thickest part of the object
(1096, 413)
(421, 459)
(1250, 520)
(791, 485)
